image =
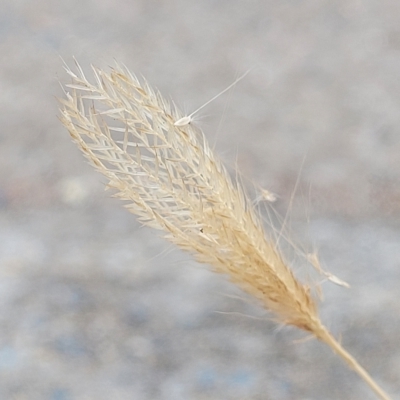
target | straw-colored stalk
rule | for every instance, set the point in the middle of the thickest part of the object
(170, 178)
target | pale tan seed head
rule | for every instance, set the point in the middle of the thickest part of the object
(168, 176)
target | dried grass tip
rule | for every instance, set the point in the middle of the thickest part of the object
(162, 167)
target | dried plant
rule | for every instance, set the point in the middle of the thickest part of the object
(168, 175)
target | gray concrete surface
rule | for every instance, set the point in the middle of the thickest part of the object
(92, 306)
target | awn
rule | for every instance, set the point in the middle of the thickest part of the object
(189, 118)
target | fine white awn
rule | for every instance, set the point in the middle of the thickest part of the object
(189, 118)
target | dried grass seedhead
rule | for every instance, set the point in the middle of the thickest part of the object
(169, 176)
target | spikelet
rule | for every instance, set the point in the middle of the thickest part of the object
(170, 178)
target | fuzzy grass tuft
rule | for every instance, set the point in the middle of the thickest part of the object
(167, 174)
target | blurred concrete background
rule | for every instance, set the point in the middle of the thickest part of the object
(93, 306)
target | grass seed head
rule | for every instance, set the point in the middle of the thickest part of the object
(168, 176)
(162, 167)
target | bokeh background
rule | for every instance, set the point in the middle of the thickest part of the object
(94, 306)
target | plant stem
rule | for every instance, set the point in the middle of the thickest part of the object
(325, 336)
